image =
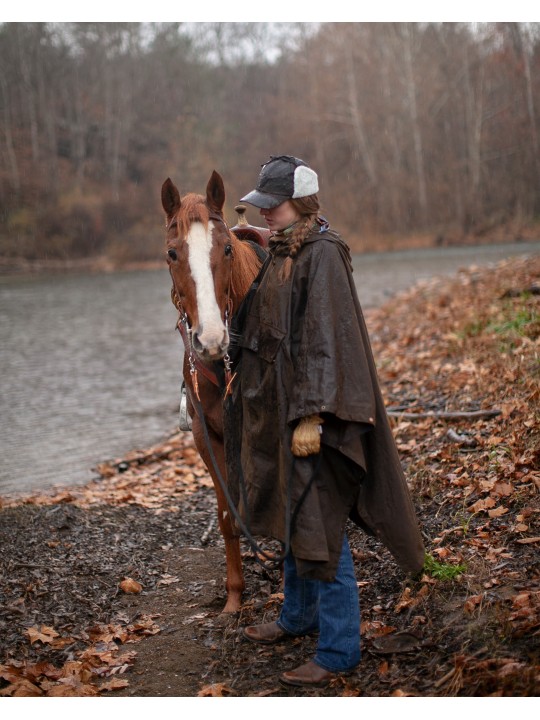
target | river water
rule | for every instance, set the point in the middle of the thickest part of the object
(91, 364)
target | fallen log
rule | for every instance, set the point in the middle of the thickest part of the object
(461, 439)
(444, 415)
(533, 289)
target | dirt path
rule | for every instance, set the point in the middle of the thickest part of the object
(175, 661)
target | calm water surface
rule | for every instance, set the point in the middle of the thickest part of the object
(91, 365)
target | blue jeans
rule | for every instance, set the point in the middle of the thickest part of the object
(332, 608)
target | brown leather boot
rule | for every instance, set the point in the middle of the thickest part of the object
(265, 634)
(308, 675)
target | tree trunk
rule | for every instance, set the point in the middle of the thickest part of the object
(14, 174)
(415, 123)
(356, 118)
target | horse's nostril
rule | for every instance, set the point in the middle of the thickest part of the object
(195, 341)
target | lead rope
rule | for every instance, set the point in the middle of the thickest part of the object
(272, 562)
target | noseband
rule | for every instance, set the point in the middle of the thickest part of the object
(186, 331)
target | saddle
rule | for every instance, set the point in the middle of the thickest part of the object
(244, 231)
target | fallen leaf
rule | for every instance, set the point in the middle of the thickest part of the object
(526, 541)
(10, 673)
(442, 552)
(75, 672)
(115, 684)
(128, 585)
(494, 554)
(511, 668)
(45, 634)
(502, 488)
(145, 625)
(497, 512)
(62, 642)
(472, 602)
(215, 690)
(401, 693)
(522, 599)
(375, 628)
(168, 579)
(62, 690)
(21, 688)
(483, 504)
(108, 633)
(198, 616)
(408, 600)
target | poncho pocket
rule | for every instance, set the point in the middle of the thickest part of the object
(265, 340)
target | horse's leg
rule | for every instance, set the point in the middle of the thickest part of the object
(235, 578)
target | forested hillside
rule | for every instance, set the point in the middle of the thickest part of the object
(425, 131)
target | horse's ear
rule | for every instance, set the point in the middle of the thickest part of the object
(170, 198)
(215, 193)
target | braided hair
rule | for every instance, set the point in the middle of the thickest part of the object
(308, 209)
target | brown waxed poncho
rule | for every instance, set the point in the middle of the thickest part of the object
(305, 351)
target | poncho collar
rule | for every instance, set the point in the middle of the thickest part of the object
(280, 242)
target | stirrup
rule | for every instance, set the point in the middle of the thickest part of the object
(184, 420)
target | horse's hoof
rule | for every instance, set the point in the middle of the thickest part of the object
(233, 604)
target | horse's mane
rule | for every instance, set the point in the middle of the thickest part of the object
(193, 209)
(246, 265)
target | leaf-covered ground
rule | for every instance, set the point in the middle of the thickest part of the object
(116, 587)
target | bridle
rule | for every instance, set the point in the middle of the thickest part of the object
(183, 325)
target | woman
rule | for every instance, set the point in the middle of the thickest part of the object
(308, 432)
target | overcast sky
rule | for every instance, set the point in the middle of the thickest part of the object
(280, 10)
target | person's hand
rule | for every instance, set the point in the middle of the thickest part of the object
(306, 439)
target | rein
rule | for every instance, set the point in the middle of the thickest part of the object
(270, 562)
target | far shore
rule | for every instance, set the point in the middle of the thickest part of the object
(18, 266)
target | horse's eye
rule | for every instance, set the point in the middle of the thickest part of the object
(228, 250)
(172, 254)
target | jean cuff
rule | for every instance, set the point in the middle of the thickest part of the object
(309, 631)
(336, 670)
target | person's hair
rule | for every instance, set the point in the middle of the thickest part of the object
(308, 208)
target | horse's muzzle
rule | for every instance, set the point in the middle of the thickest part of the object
(210, 346)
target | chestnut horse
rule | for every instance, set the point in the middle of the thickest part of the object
(211, 270)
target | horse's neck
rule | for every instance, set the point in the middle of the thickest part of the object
(246, 266)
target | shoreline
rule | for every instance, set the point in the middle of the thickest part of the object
(18, 267)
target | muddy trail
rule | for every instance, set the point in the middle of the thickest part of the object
(116, 588)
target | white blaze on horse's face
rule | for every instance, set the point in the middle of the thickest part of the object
(211, 338)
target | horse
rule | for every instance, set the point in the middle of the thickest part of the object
(212, 270)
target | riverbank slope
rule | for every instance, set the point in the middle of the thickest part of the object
(116, 587)
(496, 234)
